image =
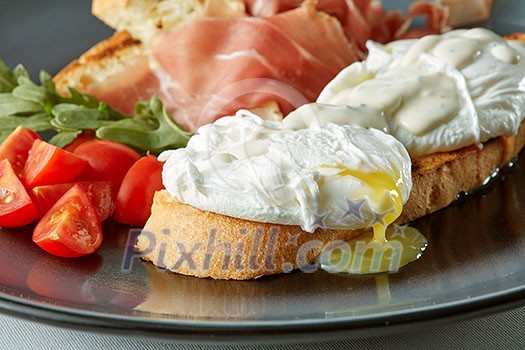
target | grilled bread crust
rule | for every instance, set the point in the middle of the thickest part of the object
(193, 242)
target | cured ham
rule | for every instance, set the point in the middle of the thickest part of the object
(437, 20)
(364, 20)
(282, 51)
(212, 67)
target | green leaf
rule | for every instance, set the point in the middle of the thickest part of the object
(47, 82)
(78, 98)
(7, 78)
(20, 71)
(62, 139)
(79, 117)
(112, 114)
(59, 127)
(167, 135)
(37, 122)
(41, 108)
(4, 135)
(29, 91)
(11, 105)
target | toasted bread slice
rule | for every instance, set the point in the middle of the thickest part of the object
(145, 19)
(106, 59)
(193, 242)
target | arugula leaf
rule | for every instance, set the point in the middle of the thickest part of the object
(7, 78)
(79, 117)
(11, 105)
(64, 138)
(40, 107)
(37, 122)
(168, 134)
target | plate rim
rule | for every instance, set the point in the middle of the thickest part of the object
(231, 332)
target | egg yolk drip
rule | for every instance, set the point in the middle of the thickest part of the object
(386, 247)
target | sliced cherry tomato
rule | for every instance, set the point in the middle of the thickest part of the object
(46, 196)
(16, 207)
(82, 138)
(71, 228)
(16, 147)
(49, 165)
(108, 161)
(135, 196)
(101, 193)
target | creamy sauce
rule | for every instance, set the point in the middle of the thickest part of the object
(461, 50)
(417, 101)
(438, 93)
(417, 98)
(458, 52)
(505, 54)
(315, 115)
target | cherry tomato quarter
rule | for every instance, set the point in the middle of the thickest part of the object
(16, 207)
(16, 146)
(71, 228)
(101, 193)
(50, 165)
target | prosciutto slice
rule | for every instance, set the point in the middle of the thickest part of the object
(286, 52)
(364, 20)
(216, 66)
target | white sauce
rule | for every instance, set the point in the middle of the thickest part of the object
(438, 93)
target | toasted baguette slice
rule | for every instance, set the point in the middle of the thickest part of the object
(144, 19)
(107, 58)
(193, 242)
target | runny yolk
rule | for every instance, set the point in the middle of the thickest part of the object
(386, 247)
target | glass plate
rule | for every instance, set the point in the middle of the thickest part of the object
(473, 265)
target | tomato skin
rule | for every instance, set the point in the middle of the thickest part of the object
(16, 146)
(80, 139)
(103, 196)
(16, 207)
(135, 196)
(46, 196)
(101, 193)
(71, 228)
(49, 165)
(108, 161)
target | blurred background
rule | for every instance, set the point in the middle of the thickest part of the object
(47, 34)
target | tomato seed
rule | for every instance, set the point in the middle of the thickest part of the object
(6, 196)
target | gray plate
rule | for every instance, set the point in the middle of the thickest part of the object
(473, 265)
